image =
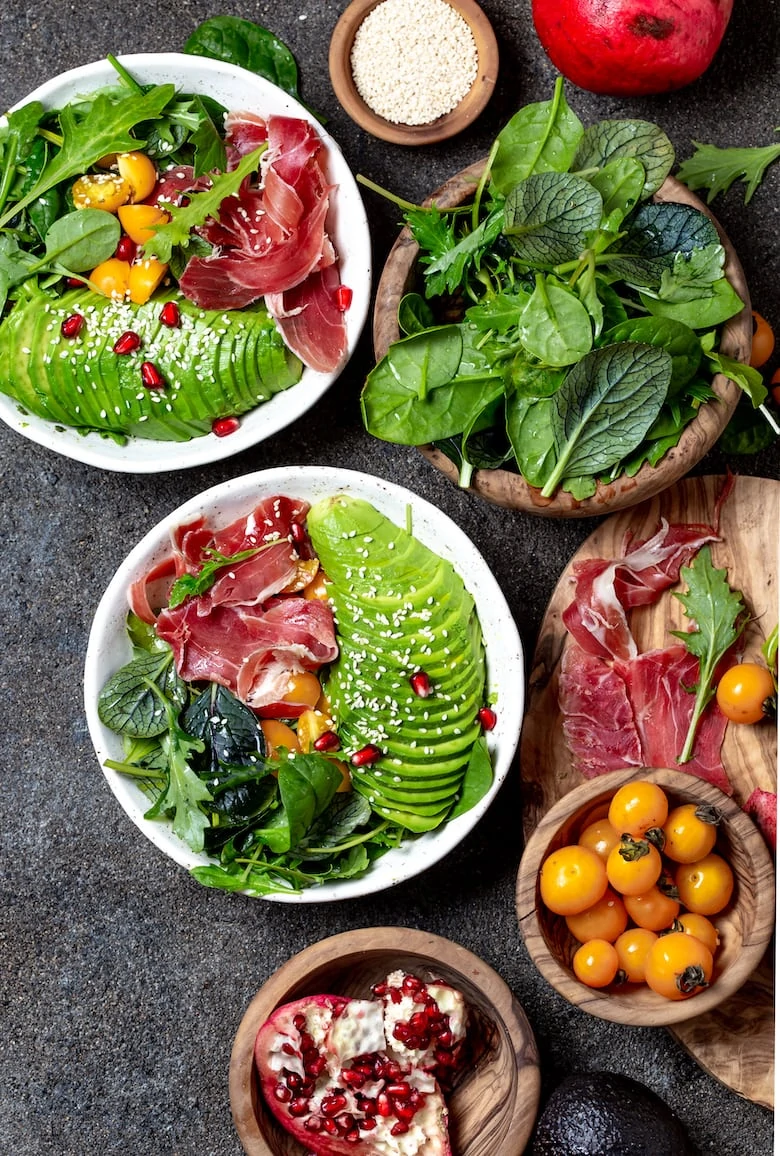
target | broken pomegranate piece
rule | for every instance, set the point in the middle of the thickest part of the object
(345, 1075)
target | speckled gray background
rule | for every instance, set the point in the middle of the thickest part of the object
(123, 981)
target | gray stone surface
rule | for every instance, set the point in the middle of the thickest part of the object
(123, 981)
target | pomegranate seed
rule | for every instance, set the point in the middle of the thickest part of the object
(445, 1039)
(224, 426)
(352, 1078)
(327, 741)
(313, 1124)
(299, 1106)
(366, 757)
(446, 1059)
(315, 1067)
(151, 376)
(396, 995)
(421, 685)
(127, 343)
(343, 297)
(368, 1124)
(307, 1086)
(299, 1022)
(293, 1080)
(126, 249)
(345, 1121)
(384, 1105)
(420, 996)
(72, 326)
(417, 1098)
(419, 1022)
(411, 983)
(399, 1091)
(289, 1049)
(332, 1105)
(392, 1070)
(401, 1032)
(487, 718)
(353, 1136)
(330, 1126)
(282, 1094)
(366, 1106)
(379, 989)
(399, 1129)
(298, 531)
(405, 1112)
(170, 315)
(74, 282)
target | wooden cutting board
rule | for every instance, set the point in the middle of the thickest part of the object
(735, 1042)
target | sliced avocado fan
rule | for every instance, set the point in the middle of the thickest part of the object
(212, 365)
(399, 609)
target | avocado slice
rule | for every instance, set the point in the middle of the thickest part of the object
(605, 1114)
(214, 364)
(399, 608)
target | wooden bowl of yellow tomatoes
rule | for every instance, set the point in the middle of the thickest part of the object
(646, 896)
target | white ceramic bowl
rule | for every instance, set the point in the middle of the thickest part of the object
(235, 89)
(108, 649)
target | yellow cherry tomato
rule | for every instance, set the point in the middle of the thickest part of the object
(143, 279)
(705, 887)
(277, 735)
(606, 919)
(595, 963)
(141, 222)
(311, 725)
(111, 278)
(690, 832)
(302, 687)
(763, 341)
(318, 588)
(139, 173)
(700, 927)
(678, 966)
(746, 693)
(105, 191)
(638, 807)
(652, 909)
(633, 866)
(600, 836)
(632, 948)
(572, 879)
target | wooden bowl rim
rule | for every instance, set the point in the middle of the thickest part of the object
(616, 1006)
(508, 489)
(402, 942)
(445, 126)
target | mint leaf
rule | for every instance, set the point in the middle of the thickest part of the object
(716, 169)
(716, 610)
(201, 206)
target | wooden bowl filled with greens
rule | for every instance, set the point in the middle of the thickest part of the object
(563, 327)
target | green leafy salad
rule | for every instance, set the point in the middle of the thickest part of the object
(288, 789)
(589, 310)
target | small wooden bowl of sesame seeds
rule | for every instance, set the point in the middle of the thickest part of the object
(494, 1099)
(413, 72)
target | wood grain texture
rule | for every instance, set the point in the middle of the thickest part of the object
(494, 1103)
(508, 489)
(443, 127)
(735, 1041)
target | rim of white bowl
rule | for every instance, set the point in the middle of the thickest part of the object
(108, 649)
(351, 236)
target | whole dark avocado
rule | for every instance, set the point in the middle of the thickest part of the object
(603, 1114)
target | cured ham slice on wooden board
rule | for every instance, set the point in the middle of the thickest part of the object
(735, 1042)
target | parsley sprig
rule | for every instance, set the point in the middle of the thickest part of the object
(716, 169)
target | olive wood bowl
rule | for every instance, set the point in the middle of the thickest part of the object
(493, 1105)
(745, 926)
(445, 126)
(509, 489)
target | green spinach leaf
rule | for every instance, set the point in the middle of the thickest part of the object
(247, 45)
(604, 408)
(477, 780)
(82, 239)
(555, 326)
(539, 138)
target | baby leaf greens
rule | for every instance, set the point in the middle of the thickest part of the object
(589, 311)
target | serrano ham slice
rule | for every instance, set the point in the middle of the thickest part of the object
(598, 720)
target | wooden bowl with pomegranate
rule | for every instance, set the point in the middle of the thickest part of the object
(504, 487)
(744, 925)
(494, 1096)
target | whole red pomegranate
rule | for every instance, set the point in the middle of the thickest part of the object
(631, 47)
(350, 1075)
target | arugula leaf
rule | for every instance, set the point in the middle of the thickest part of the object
(716, 611)
(185, 218)
(191, 585)
(716, 169)
(184, 790)
(207, 140)
(539, 138)
(606, 405)
(105, 128)
(446, 273)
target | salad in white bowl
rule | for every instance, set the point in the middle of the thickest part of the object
(184, 262)
(304, 685)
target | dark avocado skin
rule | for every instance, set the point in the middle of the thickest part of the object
(604, 1114)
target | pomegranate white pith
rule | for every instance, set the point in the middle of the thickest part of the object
(347, 1075)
